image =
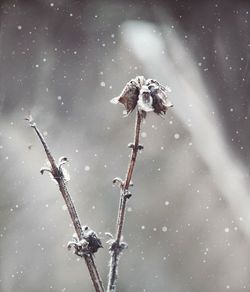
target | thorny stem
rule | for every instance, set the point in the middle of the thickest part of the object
(89, 260)
(116, 248)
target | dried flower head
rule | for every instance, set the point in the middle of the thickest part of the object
(149, 95)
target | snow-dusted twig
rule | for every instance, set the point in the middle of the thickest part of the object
(86, 242)
(117, 246)
(146, 96)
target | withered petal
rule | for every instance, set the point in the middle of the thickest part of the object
(128, 96)
(140, 81)
(159, 94)
(158, 105)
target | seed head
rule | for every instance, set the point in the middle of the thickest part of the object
(149, 95)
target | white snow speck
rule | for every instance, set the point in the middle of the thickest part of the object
(37, 65)
(129, 209)
(143, 134)
(142, 227)
(176, 136)
(52, 4)
(102, 84)
(19, 27)
(226, 229)
(59, 97)
(166, 203)
(87, 168)
(164, 229)
(64, 207)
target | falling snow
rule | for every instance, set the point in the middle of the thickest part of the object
(176, 136)
(63, 63)
(87, 168)
(164, 228)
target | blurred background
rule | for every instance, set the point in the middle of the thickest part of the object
(188, 222)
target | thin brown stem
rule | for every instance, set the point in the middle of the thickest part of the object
(55, 171)
(116, 247)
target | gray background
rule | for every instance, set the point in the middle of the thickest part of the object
(63, 61)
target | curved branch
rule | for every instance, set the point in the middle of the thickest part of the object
(55, 171)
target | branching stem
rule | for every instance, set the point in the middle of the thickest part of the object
(116, 247)
(97, 282)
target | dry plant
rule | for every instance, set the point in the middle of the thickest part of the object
(144, 96)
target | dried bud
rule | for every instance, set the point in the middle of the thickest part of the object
(127, 194)
(43, 169)
(63, 160)
(117, 181)
(148, 94)
(93, 240)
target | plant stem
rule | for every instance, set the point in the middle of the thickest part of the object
(116, 248)
(89, 260)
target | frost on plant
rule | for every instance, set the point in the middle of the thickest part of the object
(149, 95)
(146, 96)
(90, 242)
